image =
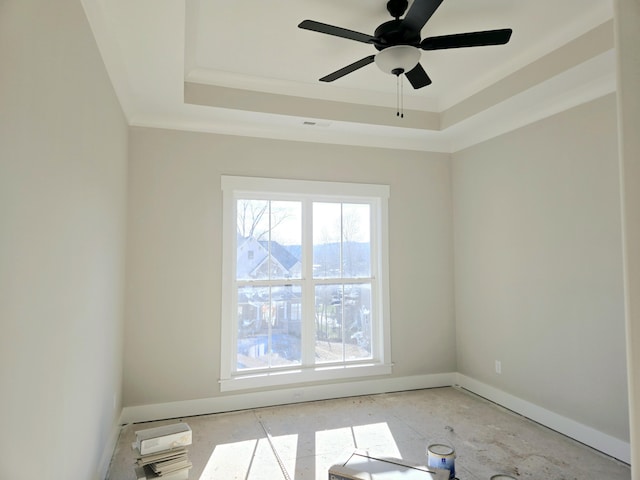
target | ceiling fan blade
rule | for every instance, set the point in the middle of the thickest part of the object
(417, 77)
(471, 39)
(419, 13)
(336, 31)
(348, 69)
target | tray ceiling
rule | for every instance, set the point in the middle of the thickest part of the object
(245, 68)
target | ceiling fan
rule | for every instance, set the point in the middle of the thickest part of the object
(399, 43)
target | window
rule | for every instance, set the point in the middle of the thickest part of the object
(305, 289)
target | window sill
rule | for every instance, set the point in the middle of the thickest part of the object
(303, 375)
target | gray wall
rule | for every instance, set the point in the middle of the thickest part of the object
(627, 16)
(172, 332)
(538, 266)
(63, 148)
(536, 237)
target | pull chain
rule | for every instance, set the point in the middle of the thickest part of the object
(399, 96)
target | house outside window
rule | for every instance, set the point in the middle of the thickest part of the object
(305, 287)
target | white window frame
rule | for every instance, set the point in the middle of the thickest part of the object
(234, 188)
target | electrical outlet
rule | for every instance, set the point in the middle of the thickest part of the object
(498, 367)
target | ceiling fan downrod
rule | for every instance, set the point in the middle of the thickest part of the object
(397, 8)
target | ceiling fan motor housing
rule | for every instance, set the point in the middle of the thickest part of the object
(393, 33)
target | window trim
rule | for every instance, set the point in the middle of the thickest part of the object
(234, 187)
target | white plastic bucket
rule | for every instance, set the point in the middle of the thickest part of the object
(442, 456)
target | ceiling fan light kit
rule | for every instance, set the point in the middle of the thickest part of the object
(398, 59)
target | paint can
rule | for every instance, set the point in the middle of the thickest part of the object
(442, 456)
(502, 477)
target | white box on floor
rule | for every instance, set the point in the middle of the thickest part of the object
(362, 466)
(157, 439)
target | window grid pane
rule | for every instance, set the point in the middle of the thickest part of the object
(343, 323)
(356, 241)
(269, 327)
(268, 238)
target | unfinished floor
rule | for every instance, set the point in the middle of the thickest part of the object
(305, 439)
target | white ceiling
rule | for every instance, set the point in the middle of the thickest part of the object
(257, 72)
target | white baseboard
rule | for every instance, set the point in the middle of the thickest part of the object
(589, 436)
(109, 449)
(240, 401)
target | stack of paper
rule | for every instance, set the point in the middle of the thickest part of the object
(162, 453)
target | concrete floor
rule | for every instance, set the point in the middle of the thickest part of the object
(308, 438)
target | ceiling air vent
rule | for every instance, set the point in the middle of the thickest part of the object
(314, 123)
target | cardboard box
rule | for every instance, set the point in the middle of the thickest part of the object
(362, 466)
